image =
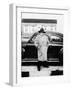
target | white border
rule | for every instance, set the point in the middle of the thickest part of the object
(15, 38)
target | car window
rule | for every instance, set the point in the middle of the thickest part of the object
(56, 39)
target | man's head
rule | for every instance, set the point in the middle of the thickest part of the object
(41, 30)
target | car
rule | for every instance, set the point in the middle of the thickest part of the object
(54, 51)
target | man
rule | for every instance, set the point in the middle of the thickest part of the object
(41, 42)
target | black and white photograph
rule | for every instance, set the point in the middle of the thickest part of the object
(41, 47)
(37, 45)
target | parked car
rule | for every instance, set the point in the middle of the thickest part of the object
(54, 52)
